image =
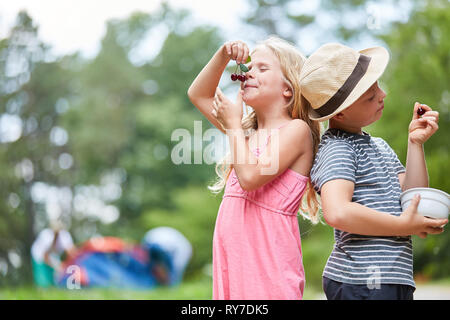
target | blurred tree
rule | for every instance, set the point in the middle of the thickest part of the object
(312, 23)
(74, 125)
(31, 141)
(127, 108)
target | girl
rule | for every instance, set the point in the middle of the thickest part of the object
(256, 245)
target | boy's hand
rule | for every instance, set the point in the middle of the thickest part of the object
(418, 224)
(229, 114)
(423, 127)
(236, 50)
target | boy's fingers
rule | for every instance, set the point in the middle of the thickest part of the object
(431, 230)
(414, 202)
(418, 105)
(433, 124)
(423, 235)
(434, 114)
(438, 223)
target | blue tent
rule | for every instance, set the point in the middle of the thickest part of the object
(110, 262)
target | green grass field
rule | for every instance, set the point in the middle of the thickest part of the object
(200, 289)
(189, 290)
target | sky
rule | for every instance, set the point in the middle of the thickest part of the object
(72, 25)
(79, 25)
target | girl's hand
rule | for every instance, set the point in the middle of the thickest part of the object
(228, 114)
(423, 127)
(236, 50)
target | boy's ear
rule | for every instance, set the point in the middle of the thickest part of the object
(338, 116)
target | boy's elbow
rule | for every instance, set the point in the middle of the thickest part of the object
(333, 217)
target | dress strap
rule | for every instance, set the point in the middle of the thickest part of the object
(268, 137)
(257, 151)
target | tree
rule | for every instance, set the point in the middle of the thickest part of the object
(124, 113)
(310, 24)
(31, 140)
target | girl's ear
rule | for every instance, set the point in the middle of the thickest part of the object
(287, 93)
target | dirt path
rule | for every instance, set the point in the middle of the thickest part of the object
(432, 292)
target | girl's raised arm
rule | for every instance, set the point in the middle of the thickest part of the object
(202, 90)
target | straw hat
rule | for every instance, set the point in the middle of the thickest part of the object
(335, 76)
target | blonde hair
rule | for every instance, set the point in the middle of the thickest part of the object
(291, 63)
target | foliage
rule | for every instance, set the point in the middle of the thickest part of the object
(96, 130)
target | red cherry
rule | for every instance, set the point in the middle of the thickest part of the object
(234, 77)
(421, 111)
(241, 78)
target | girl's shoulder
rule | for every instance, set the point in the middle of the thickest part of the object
(298, 135)
(298, 128)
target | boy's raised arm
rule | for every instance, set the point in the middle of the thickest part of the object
(420, 130)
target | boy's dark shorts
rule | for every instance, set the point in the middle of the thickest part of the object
(344, 291)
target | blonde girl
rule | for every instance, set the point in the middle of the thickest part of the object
(256, 246)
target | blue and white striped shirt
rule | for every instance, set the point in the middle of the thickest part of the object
(373, 166)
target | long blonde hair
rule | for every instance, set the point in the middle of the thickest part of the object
(291, 62)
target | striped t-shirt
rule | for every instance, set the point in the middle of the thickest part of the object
(373, 166)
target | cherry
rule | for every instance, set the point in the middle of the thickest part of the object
(421, 111)
(242, 69)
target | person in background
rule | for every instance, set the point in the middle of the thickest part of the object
(47, 252)
(169, 252)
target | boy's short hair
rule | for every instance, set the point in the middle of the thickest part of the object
(335, 76)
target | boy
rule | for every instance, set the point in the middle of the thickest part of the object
(360, 178)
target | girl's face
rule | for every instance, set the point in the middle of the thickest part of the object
(265, 85)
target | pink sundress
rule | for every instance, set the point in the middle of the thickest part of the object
(256, 247)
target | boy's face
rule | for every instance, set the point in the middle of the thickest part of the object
(364, 111)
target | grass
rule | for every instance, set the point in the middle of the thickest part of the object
(193, 290)
(200, 289)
